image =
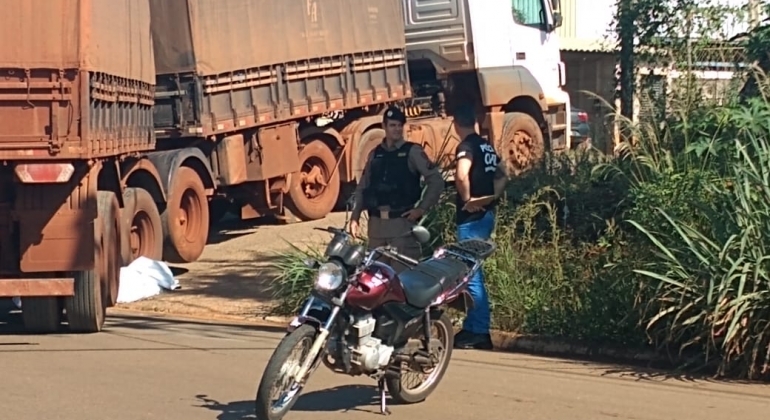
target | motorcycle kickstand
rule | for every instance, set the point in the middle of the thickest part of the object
(384, 410)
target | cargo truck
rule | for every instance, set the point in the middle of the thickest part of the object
(124, 124)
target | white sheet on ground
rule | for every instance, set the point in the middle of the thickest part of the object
(145, 278)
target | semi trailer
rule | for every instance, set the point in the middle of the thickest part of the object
(125, 125)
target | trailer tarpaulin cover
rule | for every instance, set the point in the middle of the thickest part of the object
(219, 36)
(108, 36)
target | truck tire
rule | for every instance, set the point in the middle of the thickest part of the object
(314, 190)
(142, 228)
(41, 314)
(97, 288)
(186, 218)
(522, 145)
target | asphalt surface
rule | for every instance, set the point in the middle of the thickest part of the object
(158, 368)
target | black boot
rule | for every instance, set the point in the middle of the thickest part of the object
(468, 340)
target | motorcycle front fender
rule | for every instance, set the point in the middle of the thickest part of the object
(301, 320)
(316, 316)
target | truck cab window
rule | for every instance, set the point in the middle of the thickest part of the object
(529, 12)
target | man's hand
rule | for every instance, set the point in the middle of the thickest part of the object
(413, 215)
(470, 208)
(353, 228)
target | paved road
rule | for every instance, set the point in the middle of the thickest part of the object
(143, 368)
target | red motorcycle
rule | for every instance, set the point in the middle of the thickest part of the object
(364, 319)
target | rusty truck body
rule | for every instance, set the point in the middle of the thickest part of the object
(123, 123)
(76, 96)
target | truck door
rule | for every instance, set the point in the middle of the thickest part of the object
(535, 46)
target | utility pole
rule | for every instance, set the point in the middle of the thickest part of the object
(627, 35)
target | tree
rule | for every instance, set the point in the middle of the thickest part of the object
(665, 32)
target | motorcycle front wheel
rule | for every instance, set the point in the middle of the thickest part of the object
(278, 392)
(406, 390)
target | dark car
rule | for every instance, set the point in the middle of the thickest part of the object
(581, 128)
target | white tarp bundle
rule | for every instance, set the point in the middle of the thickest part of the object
(145, 278)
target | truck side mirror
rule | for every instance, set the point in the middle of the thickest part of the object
(555, 5)
(557, 20)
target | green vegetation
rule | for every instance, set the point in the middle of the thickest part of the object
(666, 244)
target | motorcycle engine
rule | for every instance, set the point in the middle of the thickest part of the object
(369, 354)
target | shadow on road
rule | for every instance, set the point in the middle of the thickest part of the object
(10, 318)
(342, 398)
(232, 227)
(146, 322)
(237, 410)
(652, 374)
(11, 323)
(598, 366)
(339, 399)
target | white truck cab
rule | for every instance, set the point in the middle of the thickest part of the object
(505, 56)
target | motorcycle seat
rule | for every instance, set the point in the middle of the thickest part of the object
(427, 280)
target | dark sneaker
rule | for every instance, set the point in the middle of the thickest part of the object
(468, 340)
(463, 335)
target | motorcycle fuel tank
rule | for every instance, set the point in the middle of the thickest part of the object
(377, 285)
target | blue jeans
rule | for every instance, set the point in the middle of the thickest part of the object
(478, 318)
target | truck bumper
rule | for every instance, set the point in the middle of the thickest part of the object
(44, 287)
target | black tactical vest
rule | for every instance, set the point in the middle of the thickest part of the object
(391, 183)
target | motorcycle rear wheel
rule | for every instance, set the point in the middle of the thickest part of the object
(407, 395)
(280, 368)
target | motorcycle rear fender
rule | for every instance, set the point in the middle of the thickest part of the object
(463, 302)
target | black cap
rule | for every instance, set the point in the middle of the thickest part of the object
(395, 114)
(465, 115)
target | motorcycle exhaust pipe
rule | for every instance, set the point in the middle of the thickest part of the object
(423, 360)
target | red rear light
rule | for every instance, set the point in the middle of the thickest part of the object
(44, 173)
(582, 117)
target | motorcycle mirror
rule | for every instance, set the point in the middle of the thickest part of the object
(421, 233)
(351, 202)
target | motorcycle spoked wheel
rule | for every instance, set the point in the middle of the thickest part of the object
(278, 372)
(402, 393)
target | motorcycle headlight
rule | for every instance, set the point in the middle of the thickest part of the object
(330, 277)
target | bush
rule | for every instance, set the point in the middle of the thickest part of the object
(549, 274)
(663, 245)
(291, 287)
(711, 293)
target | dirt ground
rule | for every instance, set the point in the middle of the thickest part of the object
(230, 278)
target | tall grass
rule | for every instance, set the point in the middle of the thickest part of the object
(666, 243)
(712, 285)
(292, 286)
(698, 207)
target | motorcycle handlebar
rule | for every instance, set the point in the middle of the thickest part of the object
(391, 252)
(330, 229)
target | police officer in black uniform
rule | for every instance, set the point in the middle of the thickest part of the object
(390, 191)
(480, 179)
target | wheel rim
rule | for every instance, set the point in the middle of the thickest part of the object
(142, 236)
(313, 178)
(285, 388)
(426, 379)
(520, 148)
(189, 216)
